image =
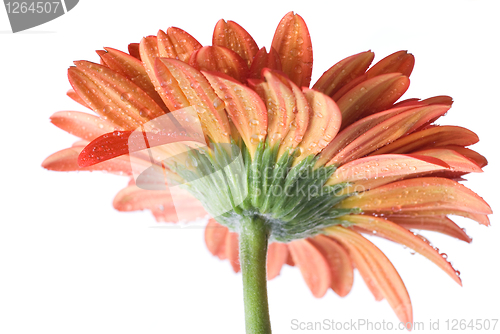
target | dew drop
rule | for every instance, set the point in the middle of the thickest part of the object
(125, 96)
(217, 103)
(253, 122)
(107, 109)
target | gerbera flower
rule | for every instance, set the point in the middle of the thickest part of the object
(306, 170)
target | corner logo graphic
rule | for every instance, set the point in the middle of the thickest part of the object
(28, 14)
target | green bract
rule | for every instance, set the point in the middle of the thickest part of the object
(293, 201)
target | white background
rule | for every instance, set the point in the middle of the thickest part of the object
(70, 263)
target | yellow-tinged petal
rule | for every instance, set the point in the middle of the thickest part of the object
(377, 271)
(200, 95)
(432, 137)
(343, 72)
(244, 107)
(387, 131)
(426, 193)
(372, 96)
(232, 36)
(299, 125)
(168, 87)
(387, 229)
(324, 124)
(276, 92)
(176, 43)
(293, 44)
(220, 59)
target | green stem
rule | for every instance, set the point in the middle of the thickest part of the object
(254, 236)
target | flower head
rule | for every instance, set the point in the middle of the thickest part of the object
(318, 167)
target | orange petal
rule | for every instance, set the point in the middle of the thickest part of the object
(133, 198)
(168, 87)
(432, 137)
(277, 254)
(263, 60)
(90, 92)
(341, 269)
(232, 36)
(245, 108)
(386, 132)
(313, 266)
(233, 250)
(117, 143)
(133, 69)
(426, 193)
(343, 72)
(376, 270)
(67, 160)
(112, 95)
(398, 62)
(480, 218)
(352, 132)
(396, 233)
(220, 59)
(199, 94)
(215, 237)
(374, 171)
(133, 50)
(177, 43)
(372, 96)
(289, 260)
(441, 224)
(83, 125)
(324, 123)
(293, 44)
(472, 155)
(281, 107)
(75, 97)
(456, 161)
(441, 99)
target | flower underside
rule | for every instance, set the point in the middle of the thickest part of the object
(317, 167)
